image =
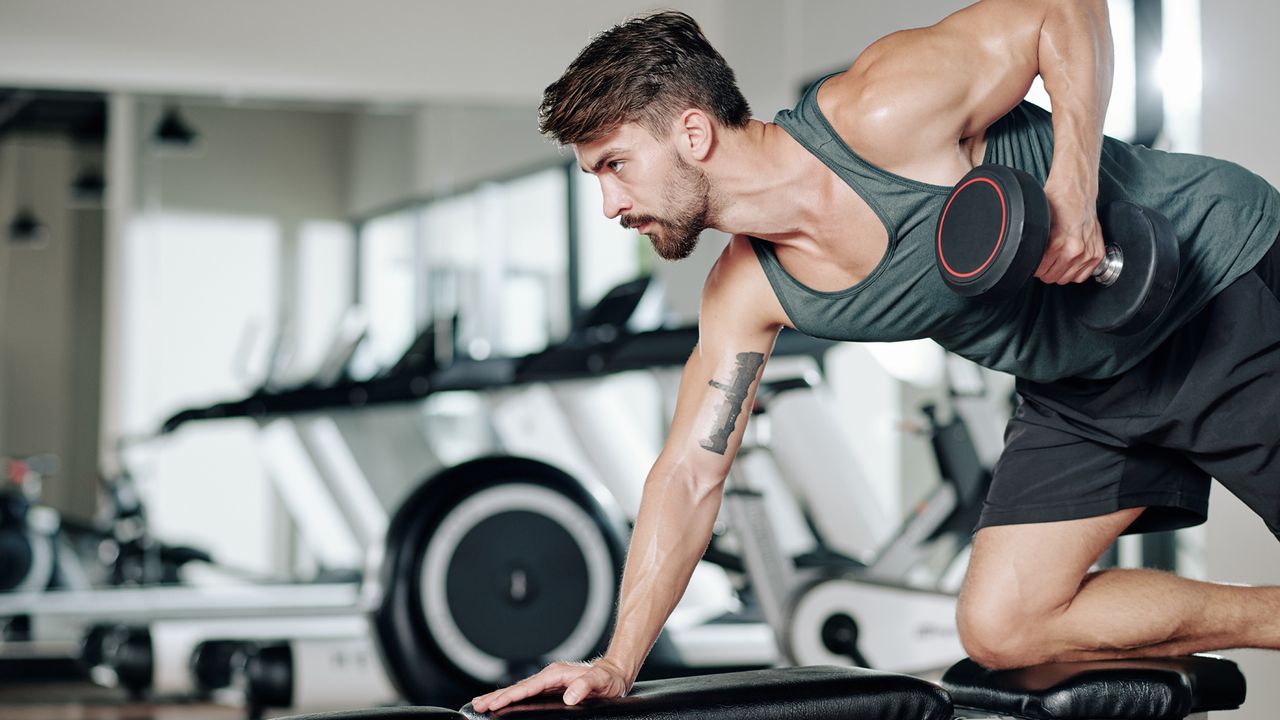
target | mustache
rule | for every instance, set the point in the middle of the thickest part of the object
(634, 221)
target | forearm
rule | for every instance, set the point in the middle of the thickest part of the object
(1076, 62)
(672, 530)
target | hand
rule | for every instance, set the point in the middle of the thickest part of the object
(1075, 238)
(600, 678)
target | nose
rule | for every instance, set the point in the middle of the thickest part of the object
(615, 201)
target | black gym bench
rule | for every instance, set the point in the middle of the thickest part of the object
(1157, 689)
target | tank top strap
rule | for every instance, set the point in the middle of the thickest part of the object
(893, 198)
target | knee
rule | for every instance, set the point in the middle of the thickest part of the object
(999, 634)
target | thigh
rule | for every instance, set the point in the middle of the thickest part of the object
(1058, 465)
(1227, 419)
(1037, 567)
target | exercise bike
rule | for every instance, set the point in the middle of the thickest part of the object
(892, 608)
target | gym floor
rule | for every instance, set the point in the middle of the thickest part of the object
(84, 701)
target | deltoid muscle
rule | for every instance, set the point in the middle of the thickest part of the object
(735, 395)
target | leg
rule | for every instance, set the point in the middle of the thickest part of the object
(1029, 598)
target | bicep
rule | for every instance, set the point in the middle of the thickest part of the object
(717, 391)
(737, 325)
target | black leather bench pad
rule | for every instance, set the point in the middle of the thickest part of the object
(808, 693)
(388, 713)
(1154, 689)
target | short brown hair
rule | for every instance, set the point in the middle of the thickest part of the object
(644, 70)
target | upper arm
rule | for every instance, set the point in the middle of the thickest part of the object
(738, 322)
(916, 92)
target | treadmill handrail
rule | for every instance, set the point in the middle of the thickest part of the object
(572, 359)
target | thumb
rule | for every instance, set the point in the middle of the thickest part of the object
(576, 691)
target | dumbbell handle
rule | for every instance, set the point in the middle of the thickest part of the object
(1108, 270)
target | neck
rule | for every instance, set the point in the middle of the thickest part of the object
(766, 185)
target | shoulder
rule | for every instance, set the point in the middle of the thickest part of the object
(881, 105)
(906, 95)
(736, 287)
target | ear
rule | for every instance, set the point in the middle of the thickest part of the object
(695, 134)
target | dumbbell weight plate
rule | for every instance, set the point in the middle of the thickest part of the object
(992, 232)
(1142, 291)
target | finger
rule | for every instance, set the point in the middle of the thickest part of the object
(487, 700)
(1067, 272)
(1054, 262)
(578, 690)
(551, 678)
(1046, 262)
(1075, 257)
(1087, 268)
(515, 693)
(502, 697)
(1045, 272)
(480, 702)
(1083, 274)
(1068, 261)
(599, 682)
(1053, 270)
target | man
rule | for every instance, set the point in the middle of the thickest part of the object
(832, 209)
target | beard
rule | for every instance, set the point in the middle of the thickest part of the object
(688, 195)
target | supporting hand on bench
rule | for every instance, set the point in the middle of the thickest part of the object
(580, 681)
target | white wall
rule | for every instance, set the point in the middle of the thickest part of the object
(35, 305)
(286, 166)
(382, 160)
(47, 385)
(385, 50)
(209, 250)
(460, 145)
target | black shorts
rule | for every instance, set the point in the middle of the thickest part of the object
(1205, 404)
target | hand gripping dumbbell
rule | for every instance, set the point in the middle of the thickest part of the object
(993, 231)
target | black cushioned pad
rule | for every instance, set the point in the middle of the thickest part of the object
(808, 693)
(1154, 689)
(390, 713)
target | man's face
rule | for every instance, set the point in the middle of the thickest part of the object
(649, 187)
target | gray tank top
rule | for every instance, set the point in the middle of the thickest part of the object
(1226, 218)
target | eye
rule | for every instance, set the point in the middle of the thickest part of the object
(616, 165)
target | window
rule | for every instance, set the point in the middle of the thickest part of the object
(494, 261)
(388, 288)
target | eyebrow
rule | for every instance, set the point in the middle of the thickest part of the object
(605, 157)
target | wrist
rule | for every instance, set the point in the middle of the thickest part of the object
(1074, 173)
(621, 665)
(1072, 188)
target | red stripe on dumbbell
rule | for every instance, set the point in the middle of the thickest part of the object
(1004, 219)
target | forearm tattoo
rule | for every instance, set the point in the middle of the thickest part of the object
(735, 397)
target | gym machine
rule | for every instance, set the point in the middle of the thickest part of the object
(346, 456)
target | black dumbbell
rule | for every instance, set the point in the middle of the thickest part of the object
(993, 231)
